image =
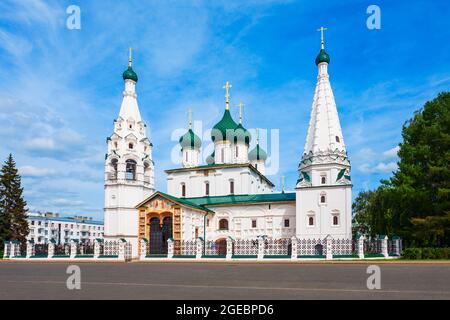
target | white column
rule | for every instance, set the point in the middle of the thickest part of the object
(294, 245)
(96, 248)
(261, 248)
(51, 249)
(384, 247)
(122, 249)
(361, 247)
(30, 247)
(328, 245)
(170, 248)
(199, 248)
(143, 245)
(73, 248)
(7, 247)
(397, 246)
(229, 248)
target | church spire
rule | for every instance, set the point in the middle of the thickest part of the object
(324, 132)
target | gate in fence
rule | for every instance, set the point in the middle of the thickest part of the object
(311, 248)
(216, 248)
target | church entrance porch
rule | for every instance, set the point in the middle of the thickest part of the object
(159, 232)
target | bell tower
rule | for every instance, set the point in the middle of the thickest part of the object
(129, 168)
(324, 187)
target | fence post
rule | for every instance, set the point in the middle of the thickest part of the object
(30, 247)
(7, 247)
(361, 247)
(170, 248)
(199, 251)
(328, 245)
(397, 251)
(384, 247)
(51, 249)
(261, 248)
(73, 248)
(229, 248)
(294, 246)
(122, 243)
(96, 248)
(143, 249)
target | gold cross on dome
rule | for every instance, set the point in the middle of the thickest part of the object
(227, 93)
(322, 29)
(241, 111)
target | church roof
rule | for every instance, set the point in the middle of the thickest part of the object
(129, 74)
(242, 199)
(257, 153)
(322, 57)
(225, 126)
(180, 201)
(190, 140)
(241, 134)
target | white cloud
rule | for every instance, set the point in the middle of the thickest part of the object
(391, 153)
(30, 171)
(67, 202)
(40, 144)
(379, 168)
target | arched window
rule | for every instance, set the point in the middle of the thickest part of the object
(237, 151)
(183, 190)
(113, 174)
(311, 221)
(324, 180)
(207, 188)
(147, 172)
(231, 187)
(335, 220)
(337, 139)
(130, 172)
(130, 145)
(223, 224)
(187, 157)
(323, 198)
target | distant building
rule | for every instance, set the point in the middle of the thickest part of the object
(47, 226)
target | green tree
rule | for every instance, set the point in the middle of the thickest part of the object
(13, 211)
(415, 202)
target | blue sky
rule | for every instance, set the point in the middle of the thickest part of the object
(61, 89)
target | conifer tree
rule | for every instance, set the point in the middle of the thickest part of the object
(13, 211)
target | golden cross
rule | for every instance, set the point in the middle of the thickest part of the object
(227, 93)
(241, 111)
(322, 29)
(130, 60)
(190, 118)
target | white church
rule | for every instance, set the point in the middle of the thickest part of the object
(229, 195)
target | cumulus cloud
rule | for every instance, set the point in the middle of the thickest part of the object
(32, 172)
(379, 168)
(391, 153)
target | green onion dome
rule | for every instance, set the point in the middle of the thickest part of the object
(241, 134)
(224, 126)
(322, 57)
(190, 140)
(129, 74)
(210, 158)
(257, 154)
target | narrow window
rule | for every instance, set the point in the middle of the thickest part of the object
(256, 166)
(323, 199)
(286, 223)
(231, 187)
(337, 139)
(335, 220)
(324, 180)
(187, 157)
(223, 224)
(222, 155)
(183, 190)
(207, 189)
(253, 223)
(130, 173)
(130, 146)
(237, 151)
(311, 221)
